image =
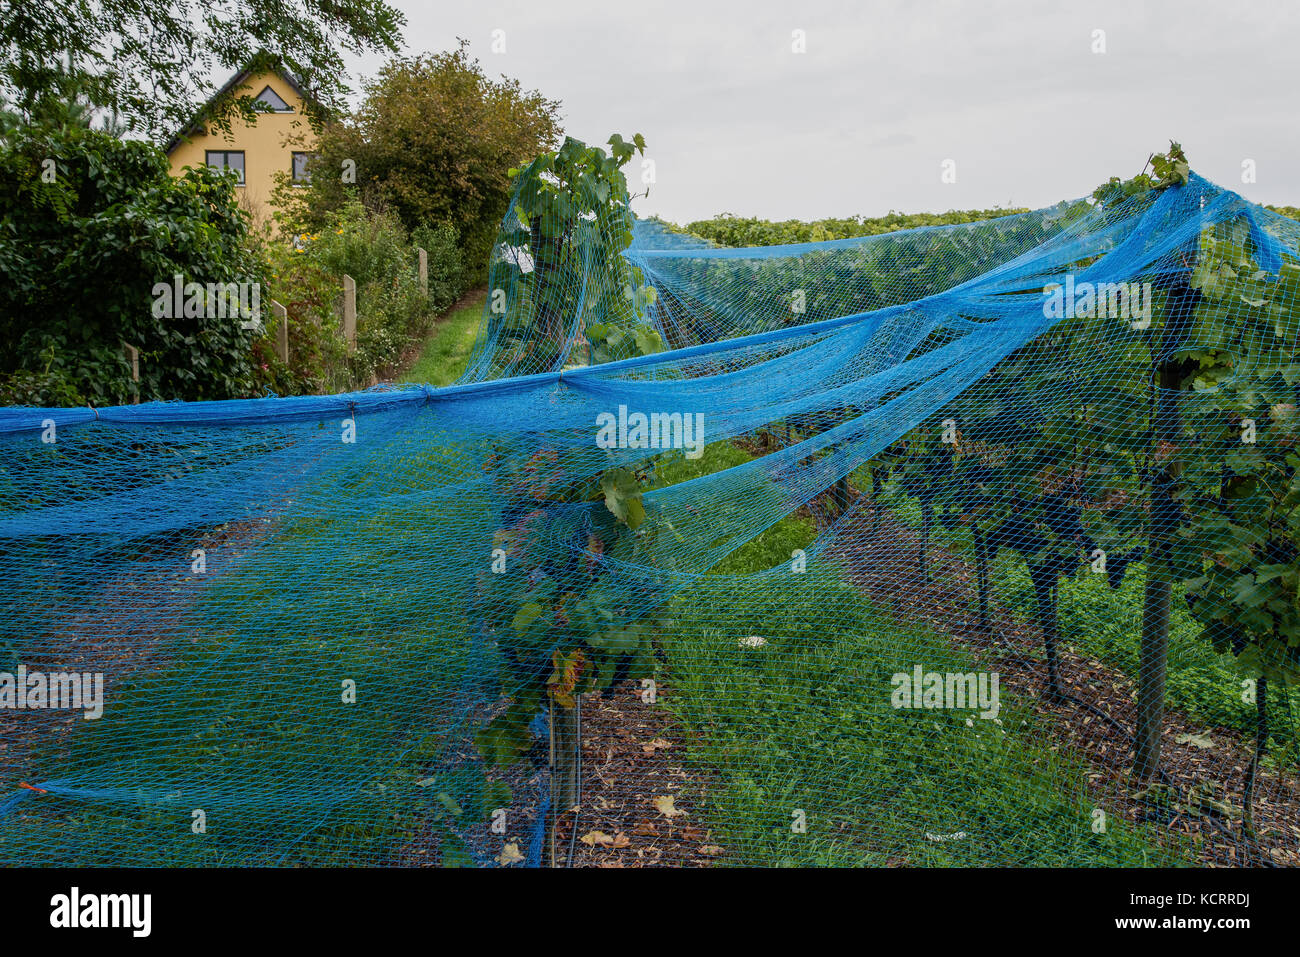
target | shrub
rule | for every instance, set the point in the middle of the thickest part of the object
(391, 316)
(89, 224)
(726, 229)
(433, 141)
(48, 387)
(374, 248)
(449, 275)
(366, 245)
(317, 351)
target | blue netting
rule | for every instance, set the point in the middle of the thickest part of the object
(307, 610)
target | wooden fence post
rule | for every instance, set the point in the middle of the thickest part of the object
(424, 270)
(281, 331)
(350, 312)
(133, 357)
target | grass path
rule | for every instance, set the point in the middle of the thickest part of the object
(447, 350)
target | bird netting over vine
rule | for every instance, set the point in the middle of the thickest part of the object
(869, 551)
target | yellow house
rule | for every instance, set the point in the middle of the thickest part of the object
(281, 140)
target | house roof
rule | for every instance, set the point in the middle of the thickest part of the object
(254, 67)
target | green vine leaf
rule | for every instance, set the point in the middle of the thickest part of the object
(623, 497)
(526, 615)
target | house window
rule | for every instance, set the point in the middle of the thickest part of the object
(228, 159)
(270, 101)
(299, 172)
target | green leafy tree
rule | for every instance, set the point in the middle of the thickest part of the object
(65, 104)
(89, 226)
(154, 63)
(573, 217)
(434, 141)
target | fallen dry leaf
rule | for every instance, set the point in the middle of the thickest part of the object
(645, 829)
(592, 838)
(664, 804)
(712, 850)
(656, 745)
(509, 855)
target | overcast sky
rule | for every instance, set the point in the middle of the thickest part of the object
(862, 122)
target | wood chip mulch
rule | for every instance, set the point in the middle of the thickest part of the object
(640, 805)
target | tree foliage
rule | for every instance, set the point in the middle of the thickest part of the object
(572, 219)
(726, 229)
(434, 141)
(154, 64)
(1241, 496)
(89, 225)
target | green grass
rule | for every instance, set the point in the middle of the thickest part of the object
(448, 348)
(768, 549)
(806, 723)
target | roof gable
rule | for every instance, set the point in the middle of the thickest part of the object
(234, 83)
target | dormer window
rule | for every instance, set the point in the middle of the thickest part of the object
(271, 102)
